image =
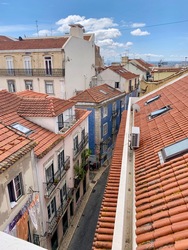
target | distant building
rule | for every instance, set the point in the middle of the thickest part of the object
(106, 105)
(57, 66)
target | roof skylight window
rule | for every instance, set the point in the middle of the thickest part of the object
(21, 128)
(177, 149)
(159, 112)
(152, 99)
(102, 91)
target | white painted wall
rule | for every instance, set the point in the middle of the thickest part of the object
(79, 65)
(132, 68)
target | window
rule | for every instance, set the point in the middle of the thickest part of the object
(48, 65)
(61, 159)
(10, 66)
(21, 128)
(105, 129)
(75, 142)
(114, 106)
(27, 65)
(152, 99)
(15, 189)
(130, 86)
(117, 85)
(28, 85)
(159, 112)
(63, 194)
(175, 149)
(51, 209)
(49, 87)
(83, 134)
(60, 121)
(50, 173)
(11, 86)
(105, 111)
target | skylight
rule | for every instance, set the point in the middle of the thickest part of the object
(176, 149)
(102, 91)
(159, 112)
(21, 128)
(152, 99)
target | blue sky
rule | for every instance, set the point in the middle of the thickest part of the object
(147, 29)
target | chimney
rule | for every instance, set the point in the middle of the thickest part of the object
(124, 60)
(76, 30)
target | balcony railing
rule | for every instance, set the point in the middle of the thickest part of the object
(80, 147)
(52, 224)
(53, 182)
(33, 72)
(67, 123)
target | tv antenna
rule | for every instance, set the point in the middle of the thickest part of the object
(37, 27)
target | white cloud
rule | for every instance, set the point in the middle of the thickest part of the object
(139, 32)
(138, 25)
(107, 33)
(111, 44)
(90, 25)
(17, 28)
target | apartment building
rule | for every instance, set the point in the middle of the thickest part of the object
(58, 66)
(106, 105)
(145, 203)
(60, 162)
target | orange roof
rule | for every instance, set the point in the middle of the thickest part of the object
(9, 102)
(43, 107)
(97, 94)
(143, 63)
(31, 94)
(105, 226)
(32, 43)
(13, 146)
(123, 72)
(161, 189)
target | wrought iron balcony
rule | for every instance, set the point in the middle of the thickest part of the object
(33, 72)
(52, 224)
(51, 185)
(80, 147)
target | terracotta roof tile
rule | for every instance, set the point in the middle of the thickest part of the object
(107, 214)
(13, 146)
(161, 189)
(32, 43)
(123, 72)
(97, 94)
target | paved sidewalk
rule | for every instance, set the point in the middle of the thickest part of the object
(70, 232)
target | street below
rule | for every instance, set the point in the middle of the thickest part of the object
(84, 234)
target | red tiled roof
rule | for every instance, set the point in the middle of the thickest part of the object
(123, 72)
(105, 226)
(43, 107)
(31, 94)
(143, 63)
(13, 146)
(97, 94)
(44, 138)
(162, 189)
(32, 43)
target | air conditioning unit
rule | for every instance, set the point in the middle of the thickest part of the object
(135, 137)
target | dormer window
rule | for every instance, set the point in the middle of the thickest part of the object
(176, 149)
(152, 99)
(159, 112)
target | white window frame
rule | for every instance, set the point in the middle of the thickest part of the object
(63, 193)
(49, 87)
(47, 168)
(114, 106)
(27, 65)
(105, 129)
(28, 84)
(105, 111)
(51, 208)
(48, 65)
(15, 187)
(61, 159)
(11, 86)
(10, 65)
